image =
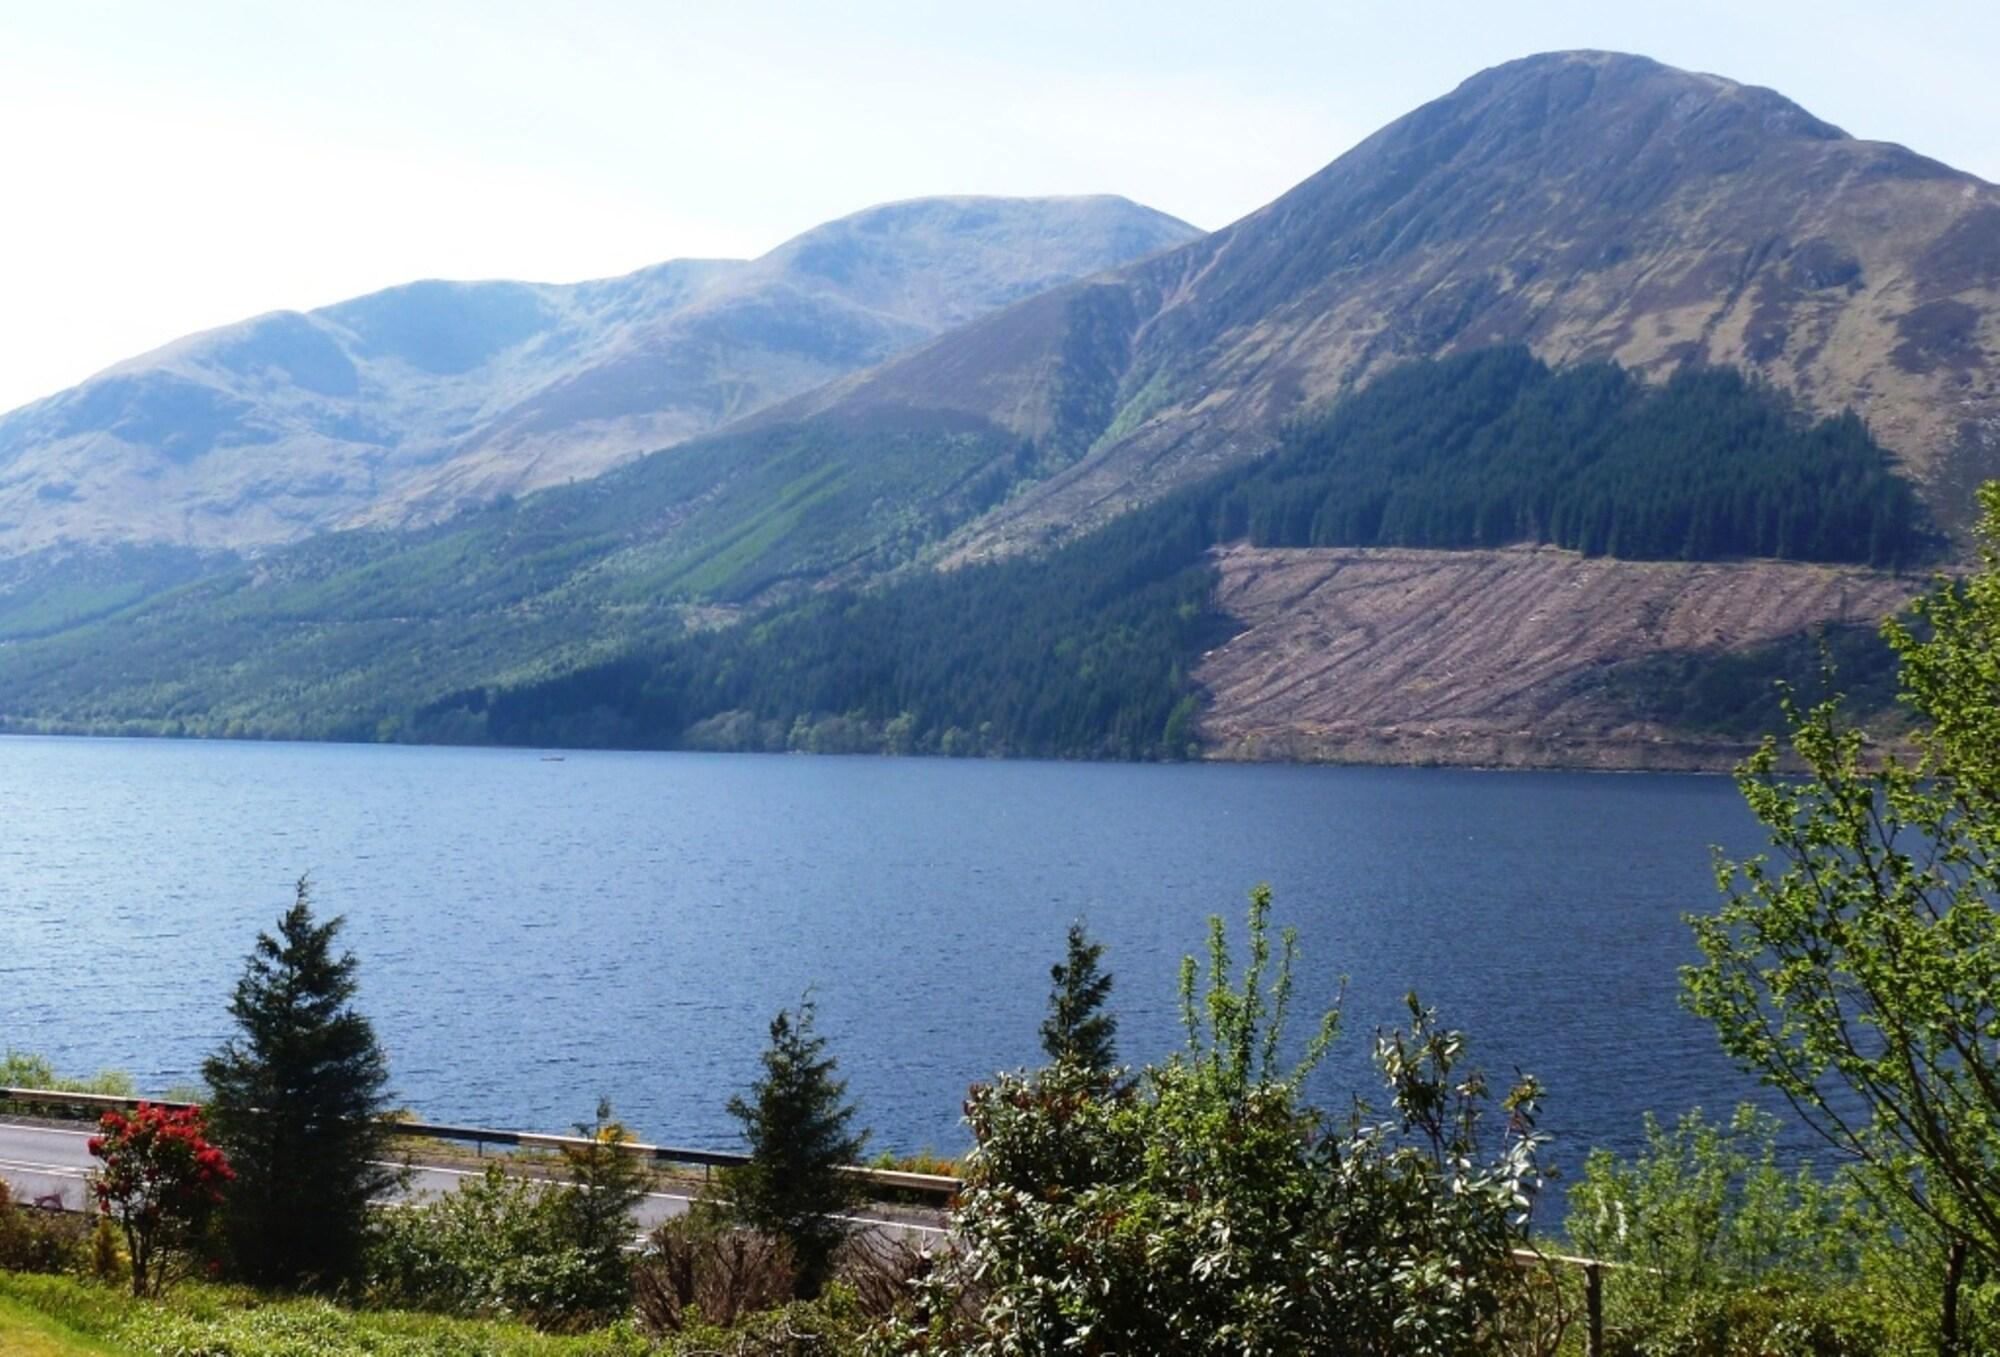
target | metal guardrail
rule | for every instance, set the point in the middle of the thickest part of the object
(926, 1184)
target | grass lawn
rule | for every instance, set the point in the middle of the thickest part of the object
(25, 1333)
(43, 1316)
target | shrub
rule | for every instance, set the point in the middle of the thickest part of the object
(36, 1240)
(605, 1183)
(161, 1181)
(696, 1269)
(500, 1246)
(1725, 1253)
(1203, 1207)
(925, 1160)
(107, 1264)
(698, 1273)
(1704, 1207)
(18, 1069)
(1770, 1319)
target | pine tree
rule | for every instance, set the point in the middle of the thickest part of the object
(298, 1099)
(606, 1182)
(1078, 1030)
(797, 1122)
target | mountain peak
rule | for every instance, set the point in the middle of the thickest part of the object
(1592, 82)
(1590, 205)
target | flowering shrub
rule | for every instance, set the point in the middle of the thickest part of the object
(161, 1181)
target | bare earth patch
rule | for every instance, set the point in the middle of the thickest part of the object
(1489, 658)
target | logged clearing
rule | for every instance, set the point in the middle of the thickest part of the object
(1489, 658)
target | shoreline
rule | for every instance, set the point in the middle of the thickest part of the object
(1293, 749)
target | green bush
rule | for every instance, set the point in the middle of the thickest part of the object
(1771, 1319)
(500, 1246)
(1722, 1252)
(38, 1241)
(1201, 1206)
(20, 1069)
(1704, 1206)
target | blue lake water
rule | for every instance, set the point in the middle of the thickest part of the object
(534, 933)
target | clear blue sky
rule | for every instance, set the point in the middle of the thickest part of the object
(174, 166)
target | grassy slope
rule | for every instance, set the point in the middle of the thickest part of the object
(67, 1316)
(24, 1332)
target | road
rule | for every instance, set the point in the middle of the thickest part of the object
(50, 1163)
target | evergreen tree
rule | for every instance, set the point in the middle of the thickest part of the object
(1078, 1030)
(606, 1182)
(797, 1121)
(298, 1099)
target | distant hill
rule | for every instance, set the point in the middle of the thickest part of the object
(553, 621)
(1588, 204)
(408, 405)
(1764, 272)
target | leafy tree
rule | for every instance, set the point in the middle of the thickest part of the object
(1859, 975)
(161, 1180)
(1078, 1030)
(797, 1121)
(298, 1100)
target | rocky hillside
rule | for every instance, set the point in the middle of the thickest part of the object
(1587, 204)
(408, 405)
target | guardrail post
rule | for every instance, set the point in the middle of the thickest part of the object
(1593, 1310)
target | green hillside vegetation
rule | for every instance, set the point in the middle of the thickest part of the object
(1084, 654)
(340, 637)
(45, 593)
(1495, 448)
(600, 613)
(1087, 653)
(1737, 694)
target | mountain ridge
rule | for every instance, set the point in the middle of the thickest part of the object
(1592, 205)
(408, 404)
(1589, 210)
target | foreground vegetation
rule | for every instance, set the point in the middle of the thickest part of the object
(72, 1315)
(1198, 1204)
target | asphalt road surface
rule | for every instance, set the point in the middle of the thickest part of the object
(51, 1165)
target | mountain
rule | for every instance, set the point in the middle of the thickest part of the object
(1590, 205)
(408, 405)
(1467, 291)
